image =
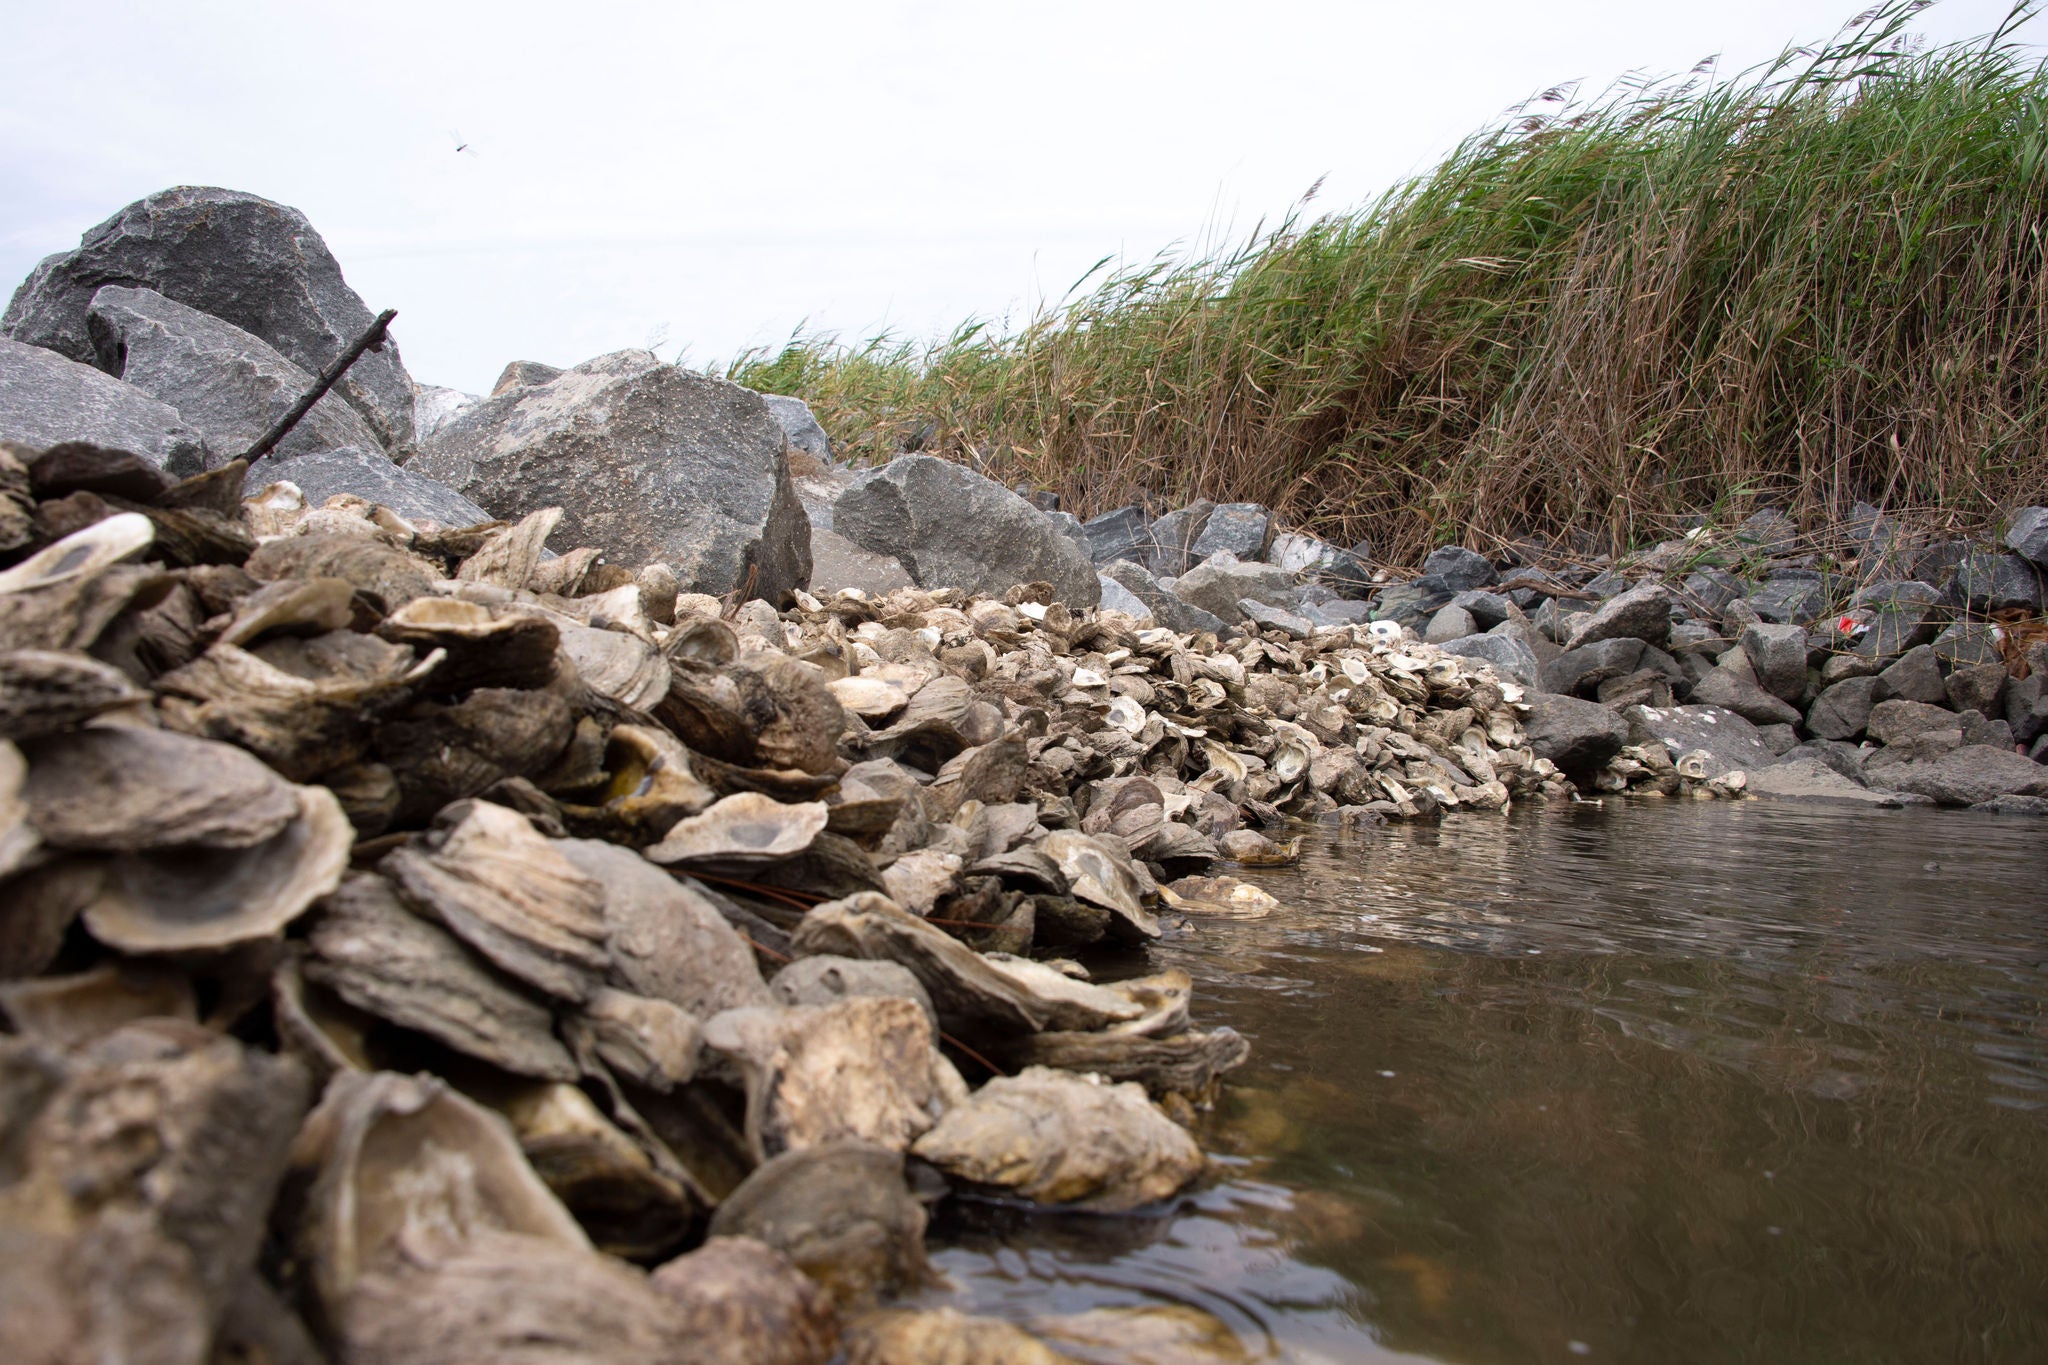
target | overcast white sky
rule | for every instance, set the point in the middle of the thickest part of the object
(710, 176)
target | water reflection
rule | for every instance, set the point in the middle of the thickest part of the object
(1654, 1083)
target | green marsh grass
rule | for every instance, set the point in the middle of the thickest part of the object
(1817, 282)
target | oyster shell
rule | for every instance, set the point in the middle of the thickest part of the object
(388, 962)
(746, 827)
(487, 877)
(44, 691)
(841, 1214)
(180, 899)
(123, 789)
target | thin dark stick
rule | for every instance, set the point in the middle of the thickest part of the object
(328, 377)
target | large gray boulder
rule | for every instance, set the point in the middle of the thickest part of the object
(1988, 582)
(246, 260)
(647, 462)
(837, 562)
(1174, 535)
(1730, 743)
(1777, 653)
(1806, 779)
(229, 383)
(1966, 776)
(952, 528)
(1122, 534)
(1166, 608)
(46, 399)
(1843, 710)
(1736, 689)
(2028, 535)
(434, 407)
(1639, 614)
(1460, 568)
(1244, 529)
(800, 425)
(369, 474)
(1219, 583)
(1511, 658)
(1578, 736)
(1583, 670)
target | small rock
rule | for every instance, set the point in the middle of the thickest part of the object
(1273, 618)
(1489, 609)
(1460, 569)
(1978, 688)
(1769, 533)
(2028, 535)
(1165, 606)
(1217, 584)
(1244, 529)
(1968, 644)
(1843, 710)
(1986, 583)
(1450, 623)
(1122, 534)
(1578, 736)
(1893, 721)
(1778, 655)
(1579, 671)
(1509, 656)
(1639, 614)
(800, 425)
(950, 527)
(46, 399)
(1915, 677)
(1790, 597)
(1173, 539)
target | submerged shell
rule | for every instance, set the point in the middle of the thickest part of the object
(182, 899)
(745, 827)
(1055, 1138)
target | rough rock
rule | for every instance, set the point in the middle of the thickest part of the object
(1843, 710)
(800, 425)
(1810, 780)
(47, 399)
(245, 260)
(1639, 614)
(1164, 605)
(1968, 644)
(744, 1304)
(2028, 535)
(1117, 597)
(1450, 623)
(950, 527)
(1915, 677)
(1244, 529)
(837, 562)
(230, 384)
(1173, 539)
(1578, 736)
(1460, 569)
(1510, 657)
(1489, 609)
(650, 461)
(370, 474)
(1582, 670)
(1967, 776)
(1055, 1138)
(433, 407)
(841, 1214)
(1769, 533)
(1121, 534)
(1987, 582)
(827, 980)
(1896, 720)
(1218, 583)
(1273, 618)
(1978, 688)
(1777, 654)
(1737, 691)
(1730, 743)
(1789, 597)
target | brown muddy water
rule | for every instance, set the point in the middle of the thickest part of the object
(1654, 1082)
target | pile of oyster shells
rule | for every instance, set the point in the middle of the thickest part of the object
(419, 947)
